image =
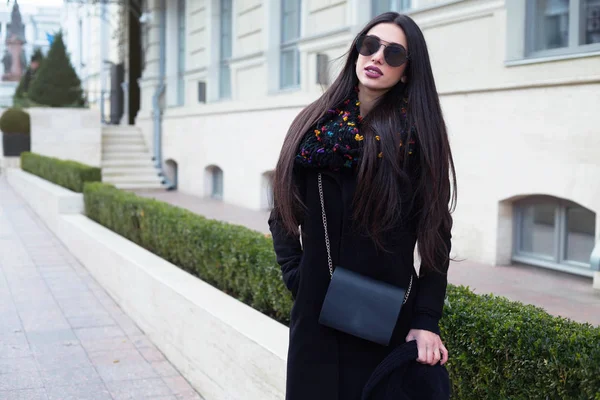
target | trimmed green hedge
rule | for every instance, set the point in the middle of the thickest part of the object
(235, 259)
(502, 349)
(499, 349)
(15, 120)
(69, 174)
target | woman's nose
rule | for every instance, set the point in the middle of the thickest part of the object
(378, 55)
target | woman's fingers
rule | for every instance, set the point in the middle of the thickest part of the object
(422, 349)
(444, 354)
(429, 346)
(434, 352)
(436, 355)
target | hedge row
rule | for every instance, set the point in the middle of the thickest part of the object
(502, 349)
(499, 349)
(69, 174)
(232, 258)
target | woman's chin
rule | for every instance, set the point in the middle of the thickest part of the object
(374, 85)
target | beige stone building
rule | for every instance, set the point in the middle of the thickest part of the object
(519, 82)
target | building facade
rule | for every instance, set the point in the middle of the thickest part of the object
(91, 36)
(519, 82)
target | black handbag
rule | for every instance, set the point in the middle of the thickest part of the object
(359, 305)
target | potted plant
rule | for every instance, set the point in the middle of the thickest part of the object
(15, 127)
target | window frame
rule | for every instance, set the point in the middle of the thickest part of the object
(181, 48)
(290, 45)
(217, 183)
(394, 5)
(225, 60)
(558, 260)
(576, 32)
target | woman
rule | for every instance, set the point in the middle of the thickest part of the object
(378, 140)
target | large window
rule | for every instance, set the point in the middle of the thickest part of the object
(290, 33)
(181, 53)
(562, 26)
(226, 13)
(554, 233)
(381, 6)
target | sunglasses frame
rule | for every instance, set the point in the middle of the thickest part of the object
(361, 39)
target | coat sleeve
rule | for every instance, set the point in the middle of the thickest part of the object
(288, 250)
(432, 292)
(432, 282)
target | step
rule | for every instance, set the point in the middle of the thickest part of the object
(121, 129)
(122, 148)
(129, 171)
(116, 135)
(114, 155)
(146, 162)
(132, 178)
(123, 140)
(140, 186)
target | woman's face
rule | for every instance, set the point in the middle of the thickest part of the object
(373, 71)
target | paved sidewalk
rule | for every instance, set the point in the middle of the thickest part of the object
(559, 293)
(61, 336)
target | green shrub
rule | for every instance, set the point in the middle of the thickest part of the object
(502, 349)
(21, 97)
(56, 83)
(15, 120)
(236, 260)
(69, 174)
(499, 349)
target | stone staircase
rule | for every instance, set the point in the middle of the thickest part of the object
(126, 161)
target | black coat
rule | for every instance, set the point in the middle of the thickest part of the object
(324, 364)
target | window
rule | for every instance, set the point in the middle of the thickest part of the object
(290, 33)
(215, 182)
(554, 232)
(562, 26)
(226, 33)
(181, 53)
(267, 192)
(381, 6)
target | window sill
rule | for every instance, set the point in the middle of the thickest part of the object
(422, 9)
(582, 271)
(285, 90)
(545, 59)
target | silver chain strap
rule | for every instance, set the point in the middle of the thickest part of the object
(328, 245)
(330, 263)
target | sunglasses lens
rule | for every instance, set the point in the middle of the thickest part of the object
(368, 45)
(395, 56)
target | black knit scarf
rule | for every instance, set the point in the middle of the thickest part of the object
(335, 141)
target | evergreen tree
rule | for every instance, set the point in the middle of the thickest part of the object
(56, 83)
(20, 99)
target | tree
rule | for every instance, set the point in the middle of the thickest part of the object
(20, 99)
(56, 83)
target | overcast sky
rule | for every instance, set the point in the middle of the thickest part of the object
(34, 2)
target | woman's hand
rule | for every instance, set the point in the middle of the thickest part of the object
(431, 348)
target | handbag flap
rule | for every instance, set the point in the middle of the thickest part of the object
(362, 306)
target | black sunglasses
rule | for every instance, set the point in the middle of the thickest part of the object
(394, 54)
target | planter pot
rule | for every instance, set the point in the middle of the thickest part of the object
(13, 144)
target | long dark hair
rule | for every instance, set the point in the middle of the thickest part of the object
(381, 188)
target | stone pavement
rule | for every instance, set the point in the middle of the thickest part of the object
(61, 336)
(559, 293)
